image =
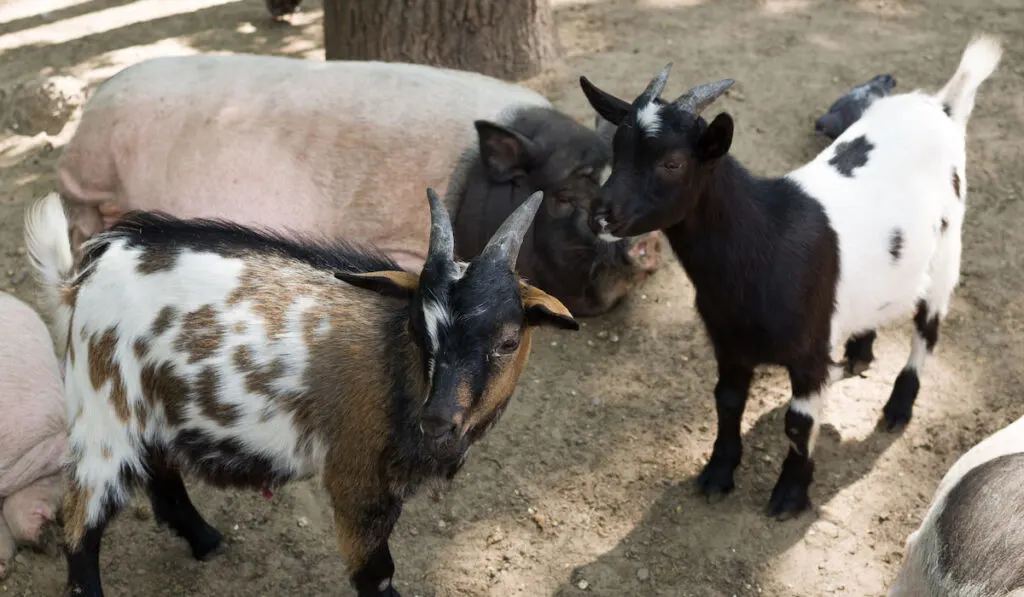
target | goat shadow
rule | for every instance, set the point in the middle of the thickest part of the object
(716, 537)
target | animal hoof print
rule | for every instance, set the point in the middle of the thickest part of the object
(788, 502)
(715, 482)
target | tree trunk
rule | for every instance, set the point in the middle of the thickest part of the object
(508, 39)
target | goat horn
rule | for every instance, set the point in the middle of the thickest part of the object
(695, 100)
(507, 241)
(442, 240)
(657, 84)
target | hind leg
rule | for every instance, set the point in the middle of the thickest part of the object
(859, 353)
(930, 312)
(172, 506)
(86, 512)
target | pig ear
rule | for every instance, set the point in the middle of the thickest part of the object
(542, 309)
(506, 154)
(396, 284)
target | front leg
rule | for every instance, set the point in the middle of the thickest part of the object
(730, 400)
(803, 420)
(364, 525)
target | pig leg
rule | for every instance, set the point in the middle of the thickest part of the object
(172, 506)
(7, 546)
(30, 513)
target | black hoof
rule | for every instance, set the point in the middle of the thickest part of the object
(788, 500)
(716, 480)
(900, 407)
(207, 544)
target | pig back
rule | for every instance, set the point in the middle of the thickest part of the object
(341, 148)
(32, 417)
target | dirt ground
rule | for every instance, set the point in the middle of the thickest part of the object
(586, 487)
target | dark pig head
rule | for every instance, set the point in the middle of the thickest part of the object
(540, 149)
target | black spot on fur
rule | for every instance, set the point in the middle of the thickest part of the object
(851, 155)
(927, 327)
(945, 225)
(224, 462)
(160, 233)
(896, 244)
(981, 528)
(956, 184)
(948, 110)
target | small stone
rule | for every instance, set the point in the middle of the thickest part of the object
(583, 584)
(643, 296)
(590, 342)
(10, 273)
(414, 532)
(540, 521)
(614, 338)
(21, 251)
(496, 536)
(643, 574)
(442, 525)
(572, 392)
(703, 427)
(602, 334)
(303, 522)
(142, 512)
(553, 343)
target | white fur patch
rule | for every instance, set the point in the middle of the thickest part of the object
(606, 173)
(809, 406)
(649, 118)
(436, 316)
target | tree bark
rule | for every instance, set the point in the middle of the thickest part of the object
(508, 39)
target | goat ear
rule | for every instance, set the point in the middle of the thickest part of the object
(396, 284)
(604, 129)
(611, 108)
(506, 154)
(544, 309)
(716, 139)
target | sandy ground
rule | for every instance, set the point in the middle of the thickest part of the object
(587, 485)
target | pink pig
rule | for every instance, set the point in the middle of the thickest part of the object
(33, 436)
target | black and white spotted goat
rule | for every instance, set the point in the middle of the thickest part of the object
(786, 268)
(251, 360)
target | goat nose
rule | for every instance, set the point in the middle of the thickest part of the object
(436, 427)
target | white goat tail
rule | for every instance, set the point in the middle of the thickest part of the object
(979, 60)
(49, 250)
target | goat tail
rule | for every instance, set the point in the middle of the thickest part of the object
(978, 61)
(49, 251)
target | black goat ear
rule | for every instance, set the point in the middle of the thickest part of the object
(505, 153)
(716, 140)
(610, 108)
(396, 284)
(604, 129)
(542, 309)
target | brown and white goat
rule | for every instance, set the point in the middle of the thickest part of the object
(251, 359)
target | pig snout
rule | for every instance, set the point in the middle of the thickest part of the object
(645, 252)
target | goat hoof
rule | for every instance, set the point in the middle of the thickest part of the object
(209, 544)
(895, 420)
(715, 481)
(788, 501)
(857, 368)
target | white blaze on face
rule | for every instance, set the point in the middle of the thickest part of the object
(649, 119)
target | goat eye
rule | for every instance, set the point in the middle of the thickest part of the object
(507, 346)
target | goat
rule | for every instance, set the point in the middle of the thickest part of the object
(970, 542)
(251, 359)
(785, 268)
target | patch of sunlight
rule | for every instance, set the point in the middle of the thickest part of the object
(13, 10)
(104, 20)
(823, 41)
(672, 3)
(104, 66)
(780, 7)
(16, 148)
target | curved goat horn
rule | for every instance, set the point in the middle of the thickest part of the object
(695, 100)
(507, 241)
(442, 240)
(657, 84)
